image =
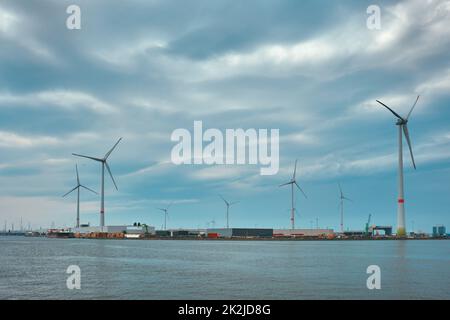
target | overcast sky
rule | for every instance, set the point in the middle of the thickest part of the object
(141, 69)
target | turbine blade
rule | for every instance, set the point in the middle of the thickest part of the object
(78, 177)
(406, 132)
(234, 203)
(70, 191)
(109, 152)
(348, 199)
(340, 190)
(88, 189)
(285, 184)
(169, 205)
(393, 112)
(295, 170)
(82, 156)
(224, 200)
(300, 189)
(409, 114)
(110, 174)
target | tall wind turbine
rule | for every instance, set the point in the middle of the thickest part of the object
(104, 164)
(78, 195)
(166, 214)
(402, 124)
(228, 204)
(342, 199)
(292, 182)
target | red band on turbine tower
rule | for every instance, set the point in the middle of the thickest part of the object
(101, 211)
(401, 200)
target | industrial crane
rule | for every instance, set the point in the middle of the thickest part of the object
(367, 225)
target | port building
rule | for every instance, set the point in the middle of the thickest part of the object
(439, 231)
(239, 233)
(375, 230)
(128, 231)
(303, 232)
(180, 233)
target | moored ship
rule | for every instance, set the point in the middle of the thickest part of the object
(60, 233)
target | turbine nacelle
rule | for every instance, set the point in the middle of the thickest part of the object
(79, 185)
(228, 204)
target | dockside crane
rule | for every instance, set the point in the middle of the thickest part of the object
(367, 224)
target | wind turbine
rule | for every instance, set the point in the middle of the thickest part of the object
(78, 195)
(104, 164)
(228, 204)
(292, 182)
(402, 124)
(342, 199)
(166, 214)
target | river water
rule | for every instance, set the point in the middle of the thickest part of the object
(35, 268)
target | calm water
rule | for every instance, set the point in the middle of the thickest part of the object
(35, 268)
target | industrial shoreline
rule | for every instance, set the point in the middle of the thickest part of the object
(139, 231)
(275, 239)
(105, 237)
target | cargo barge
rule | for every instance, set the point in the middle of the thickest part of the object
(60, 233)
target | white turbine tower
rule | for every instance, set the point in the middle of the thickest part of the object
(402, 124)
(342, 199)
(166, 214)
(78, 195)
(292, 182)
(104, 164)
(228, 204)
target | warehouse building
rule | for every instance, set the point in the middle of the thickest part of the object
(162, 233)
(192, 233)
(303, 232)
(181, 233)
(239, 233)
(131, 230)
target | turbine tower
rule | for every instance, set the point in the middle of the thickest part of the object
(166, 214)
(78, 195)
(228, 204)
(104, 164)
(342, 199)
(292, 182)
(402, 124)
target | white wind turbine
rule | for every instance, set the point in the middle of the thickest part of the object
(342, 199)
(78, 195)
(402, 124)
(104, 164)
(228, 204)
(292, 182)
(166, 214)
